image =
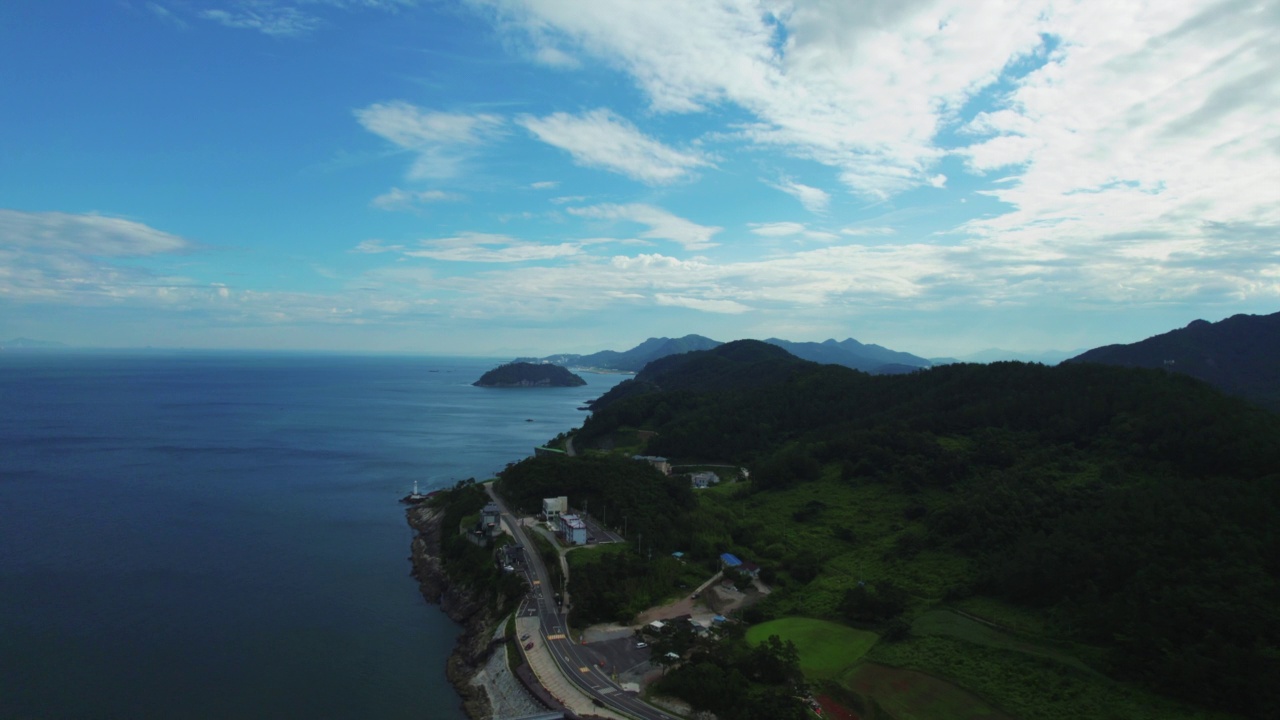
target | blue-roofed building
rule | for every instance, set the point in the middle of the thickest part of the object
(730, 560)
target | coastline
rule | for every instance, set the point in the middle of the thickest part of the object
(481, 637)
(471, 651)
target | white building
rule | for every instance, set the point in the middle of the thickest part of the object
(553, 508)
(704, 479)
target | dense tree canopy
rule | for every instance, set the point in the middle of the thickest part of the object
(1136, 506)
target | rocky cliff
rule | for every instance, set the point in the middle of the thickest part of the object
(472, 612)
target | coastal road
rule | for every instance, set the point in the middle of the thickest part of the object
(578, 664)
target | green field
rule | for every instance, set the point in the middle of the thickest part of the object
(826, 649)
(950, 624)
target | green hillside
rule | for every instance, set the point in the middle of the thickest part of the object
(1113, 528)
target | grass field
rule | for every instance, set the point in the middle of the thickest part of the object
(826, 649)
(945, 622)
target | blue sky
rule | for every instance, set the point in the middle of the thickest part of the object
(516, 176)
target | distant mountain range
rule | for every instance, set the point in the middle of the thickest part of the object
(849, 353)
(1048, 357)
(1239, 355)
(632, 360)
(29, 344)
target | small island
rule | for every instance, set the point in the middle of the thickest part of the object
(523, 374)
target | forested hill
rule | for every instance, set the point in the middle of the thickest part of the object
(1241, 355)
(529, 375)
(1134, 507)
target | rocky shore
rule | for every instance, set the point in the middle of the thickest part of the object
(474, 614)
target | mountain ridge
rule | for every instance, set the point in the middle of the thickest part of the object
(870, 358)
(1240, 355)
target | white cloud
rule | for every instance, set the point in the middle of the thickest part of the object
(790, 229)
(90, 235)
(281, 18)
(373, 247)
(601, 139)
(813, 199)
(662, 224)
(412, 127)
(442, 140)
(729, 307)
(397, 199)
(64, 258)
(1148, 121)
(1150, 129)
(268, 19)
(862, 231)
(863, 87)
(166, 15)
(488, 248)
(545, 185)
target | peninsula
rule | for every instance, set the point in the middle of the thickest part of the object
(523, 374)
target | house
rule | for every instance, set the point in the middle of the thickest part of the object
(573, 530)
(490, 520)
(750, 569)
(731, 561)
(704, 479)
(661, 463)
(553, 508)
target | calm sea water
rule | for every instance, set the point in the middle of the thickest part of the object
(217, 535)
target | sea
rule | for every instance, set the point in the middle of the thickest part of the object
(218, 535)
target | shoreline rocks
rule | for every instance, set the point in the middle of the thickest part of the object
(471, 652)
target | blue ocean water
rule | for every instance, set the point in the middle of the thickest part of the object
(200, 535)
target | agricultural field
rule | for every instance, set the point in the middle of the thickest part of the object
(912, 695)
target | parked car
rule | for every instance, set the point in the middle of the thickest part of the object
(524, 637)
(528, 646)
(642, 645)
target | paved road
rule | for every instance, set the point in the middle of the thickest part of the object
(578, 664)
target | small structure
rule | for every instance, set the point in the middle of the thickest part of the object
(750, 569)
(661, 463)
(553, 508)
(704, 479)
(657, 626)
(731, 561)
(678, 555)
(573, 530)
(490, 519)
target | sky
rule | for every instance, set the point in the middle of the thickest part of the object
(510, 177)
